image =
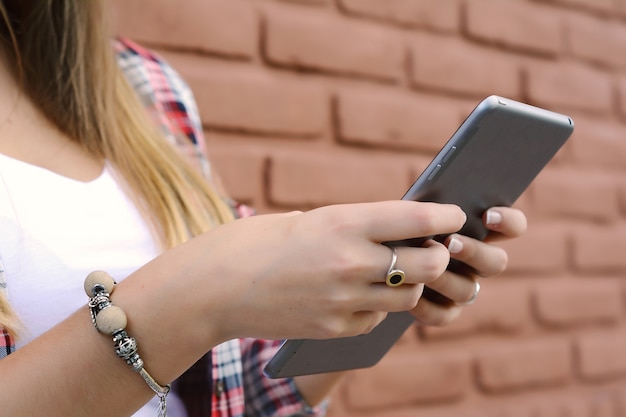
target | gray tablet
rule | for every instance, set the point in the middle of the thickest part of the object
(489, 161)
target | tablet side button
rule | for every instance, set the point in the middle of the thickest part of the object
(434, 173)
(448, 154)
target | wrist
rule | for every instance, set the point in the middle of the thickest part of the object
(165, 317)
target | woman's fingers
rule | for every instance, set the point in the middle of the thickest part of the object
(360, 322)
(507, 222)
(434, 314)
(424, 264)
(459, 289)
(483, 258)
(395, 220)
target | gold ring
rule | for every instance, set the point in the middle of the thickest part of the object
(395, 277)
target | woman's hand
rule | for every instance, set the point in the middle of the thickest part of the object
(483, 258)
(318, 274)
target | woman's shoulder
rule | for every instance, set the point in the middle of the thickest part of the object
(150, 74)
(166, 96)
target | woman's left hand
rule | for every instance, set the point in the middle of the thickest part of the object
(484, 260)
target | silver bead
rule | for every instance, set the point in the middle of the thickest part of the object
(126, 347)
(136, 362)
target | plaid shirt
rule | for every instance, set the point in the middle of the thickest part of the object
(228, 381)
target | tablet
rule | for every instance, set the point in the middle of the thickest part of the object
(489, 161)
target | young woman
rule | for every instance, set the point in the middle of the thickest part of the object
(96, 140)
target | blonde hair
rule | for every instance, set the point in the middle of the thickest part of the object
(65, 64)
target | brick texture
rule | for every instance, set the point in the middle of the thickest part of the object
(604, 7)
(567, 302)
(593, 196)
(228, 27)
(435, 15)
(313, 102)
(593, 39)
(391, 119)
(606, 253)
(461, 67)
(600, 354)
(236, 98)
(516, 25)
(328, 43)
(452, 380)
(569, 85)
(525, 364)
(599, 145)
(304, 179)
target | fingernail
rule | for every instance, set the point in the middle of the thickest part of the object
(493, 217)
(455, 245)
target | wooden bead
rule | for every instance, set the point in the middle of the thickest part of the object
(101, 278)
(110, 320)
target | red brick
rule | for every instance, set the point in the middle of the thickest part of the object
(621, 7)
(516, 25)
(524, 364)
(385, 117)
(452, 65)
(497, 295)
(598, 143)
(245, 99)
(621, 96)
(451, 409)
(590, 403)
(571, 302)
(568, 404)
(227, 27)
(305, 179)
(600, 248)
(418, 164)
(316, 2)
(577, 193)
(241, 168)
(605, 406)
(569, 85)
(603, 6)
(552, 405)
(542, 249)
(620, 397)
(323, 42)
(435, 377)
(600, 354)
(435, 15)
(622, 196)
(597, 40)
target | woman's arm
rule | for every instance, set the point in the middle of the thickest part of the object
(317, 388)
(276, 276)
(72, 369)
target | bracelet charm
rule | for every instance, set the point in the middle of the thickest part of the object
(111, 320)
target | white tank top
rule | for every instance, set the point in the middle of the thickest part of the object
(54, 231)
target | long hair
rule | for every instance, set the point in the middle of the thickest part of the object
(64, 61)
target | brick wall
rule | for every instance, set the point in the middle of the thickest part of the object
(311, 102)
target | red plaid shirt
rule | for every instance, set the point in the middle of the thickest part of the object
(229, 380)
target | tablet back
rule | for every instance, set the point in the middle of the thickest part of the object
(489, 161)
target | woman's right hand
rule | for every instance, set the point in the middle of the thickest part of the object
(318, 274)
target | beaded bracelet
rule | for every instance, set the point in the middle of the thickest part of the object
(111, 320)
